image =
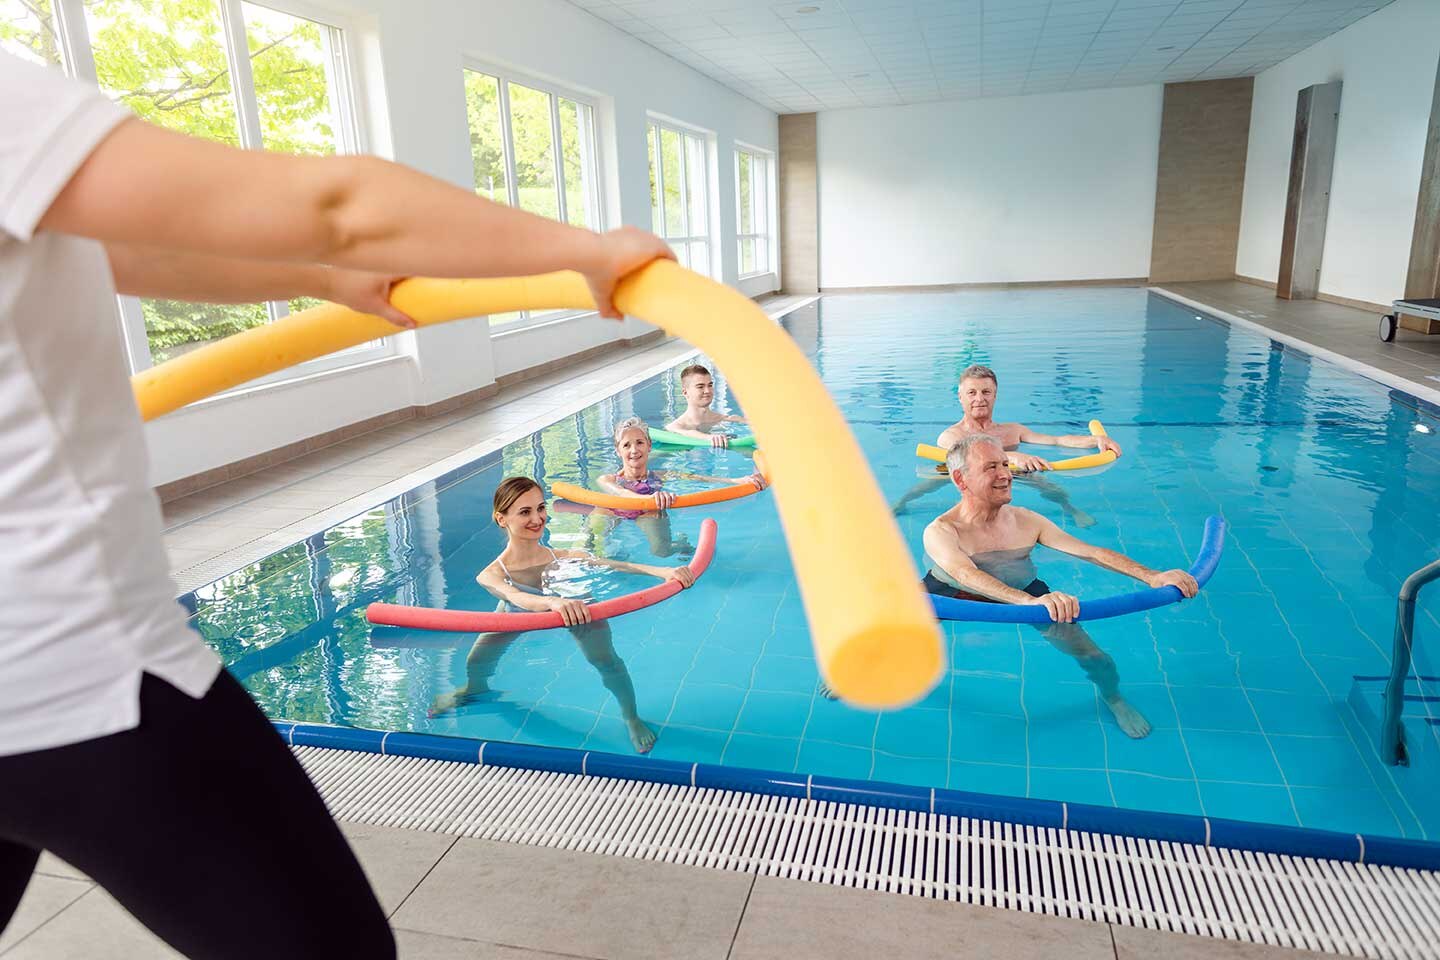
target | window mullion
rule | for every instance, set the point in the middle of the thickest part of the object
(507, 136)
(710, 225)
(132, 329)
(557, 155)
(658, 162)
(754, 223)
(684, 150)
(75, 39)
(339, 86)
(589, 167)
(242, 80)
(507, 141)
(757, 203)
(739, 213)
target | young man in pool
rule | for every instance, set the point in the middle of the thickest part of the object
(977, 393)
(980, 549)
(699, 420)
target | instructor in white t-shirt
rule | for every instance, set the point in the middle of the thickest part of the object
(124, 748)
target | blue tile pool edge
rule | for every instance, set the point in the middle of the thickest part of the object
(1149, 825)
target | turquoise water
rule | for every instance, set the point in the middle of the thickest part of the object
(1328, 481)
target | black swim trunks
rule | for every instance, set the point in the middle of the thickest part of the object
(933, 584)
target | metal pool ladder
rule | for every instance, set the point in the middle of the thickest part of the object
(1392, 730)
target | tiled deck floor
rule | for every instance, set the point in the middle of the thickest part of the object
(454, 898)
(1344, 330)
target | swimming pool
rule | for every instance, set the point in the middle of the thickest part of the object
(1328, 482)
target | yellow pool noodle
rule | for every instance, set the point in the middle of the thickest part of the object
(875, 637)
(929, 451)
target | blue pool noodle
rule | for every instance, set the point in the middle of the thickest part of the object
(976, 611)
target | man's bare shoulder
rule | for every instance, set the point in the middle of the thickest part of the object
(1027, 520)
(951, 435)
(946, 526)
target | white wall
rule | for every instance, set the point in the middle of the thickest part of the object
(411, 58)
(1387, 62)
(1046, 187)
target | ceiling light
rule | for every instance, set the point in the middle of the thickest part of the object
(1163, 49)
(807, 9)
(1421, 428)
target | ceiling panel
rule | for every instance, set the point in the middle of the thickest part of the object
(803, 55)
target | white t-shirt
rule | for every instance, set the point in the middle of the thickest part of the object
(87, 601)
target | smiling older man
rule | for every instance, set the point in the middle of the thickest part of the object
(980, 549)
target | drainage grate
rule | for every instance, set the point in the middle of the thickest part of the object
(1345, 908)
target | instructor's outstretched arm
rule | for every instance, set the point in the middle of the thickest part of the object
(147, 185)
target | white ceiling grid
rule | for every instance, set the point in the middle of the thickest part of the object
(805, 55)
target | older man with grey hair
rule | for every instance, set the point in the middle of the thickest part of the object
(977, 392)
(980, 550)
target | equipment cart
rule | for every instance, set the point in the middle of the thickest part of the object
(1424, 309)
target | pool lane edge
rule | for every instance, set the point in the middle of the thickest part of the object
(1200, 831)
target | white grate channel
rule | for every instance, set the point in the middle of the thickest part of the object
(1343, 908)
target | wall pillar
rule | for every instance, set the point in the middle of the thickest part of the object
(799, 204)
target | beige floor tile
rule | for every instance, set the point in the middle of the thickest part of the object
(191, 508)
(94, 927)
(1132, 943)
(586, 904)
(273, 516)
(791, 918)
(395, 860)
(183, 557)
(296, 497)
(45, 897)
(334, 482)
(374, 473)
(215, 537)
(430, 946)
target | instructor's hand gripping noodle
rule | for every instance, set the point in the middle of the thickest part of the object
(876, 641)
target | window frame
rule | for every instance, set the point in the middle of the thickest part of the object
(656, 123)
(591, 164)
(768, 235)
(345, 85)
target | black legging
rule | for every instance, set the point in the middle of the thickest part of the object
(203, 825)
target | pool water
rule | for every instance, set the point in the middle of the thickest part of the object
(1328, 481)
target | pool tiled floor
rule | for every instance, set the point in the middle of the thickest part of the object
(450, 898)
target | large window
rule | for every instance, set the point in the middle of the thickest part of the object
(182, 64)
(752, 198)
(532, 147)
(679, 193)
(28, 29)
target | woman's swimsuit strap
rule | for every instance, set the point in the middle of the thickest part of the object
(538, 591)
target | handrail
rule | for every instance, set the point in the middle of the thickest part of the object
(1392, 732)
